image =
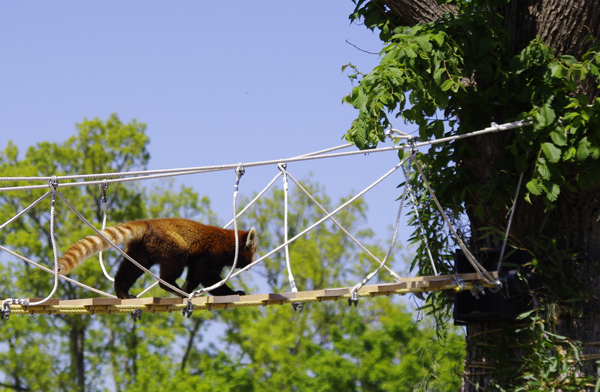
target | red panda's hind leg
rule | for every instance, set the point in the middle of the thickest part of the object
(128, 273)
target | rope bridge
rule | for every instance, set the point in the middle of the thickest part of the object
(154, 305)
(110, 304)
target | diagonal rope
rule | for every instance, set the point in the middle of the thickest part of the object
(328, 216)
(70, 280)
(354, 298)
(486, 277)
(512, 212)
(422, 229)
(14, 218)
(357, 242)
(239, 173)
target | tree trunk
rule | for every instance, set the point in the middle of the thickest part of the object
(76, 342)
(564, 26)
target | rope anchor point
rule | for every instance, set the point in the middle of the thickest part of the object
(188, 310)
(353, 300)
(136, 315)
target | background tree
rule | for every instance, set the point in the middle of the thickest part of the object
(453, 67)
(326, 346)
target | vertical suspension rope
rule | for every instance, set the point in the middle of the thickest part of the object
(283, 167)
(104, 187)
(354, 298)
(239, 172)
(53, 185)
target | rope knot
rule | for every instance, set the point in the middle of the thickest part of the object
(53, 183)
(240, 170)
(103, 187)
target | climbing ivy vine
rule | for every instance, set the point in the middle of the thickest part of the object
(456, 75)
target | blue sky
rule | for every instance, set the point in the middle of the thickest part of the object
(215, 82)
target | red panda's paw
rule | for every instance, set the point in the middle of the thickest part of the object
(240, 292)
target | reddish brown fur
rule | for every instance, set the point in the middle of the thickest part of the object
(172, 243)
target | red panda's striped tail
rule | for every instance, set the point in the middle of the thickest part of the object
(122, 233)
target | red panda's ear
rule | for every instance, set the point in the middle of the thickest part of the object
(252, 240)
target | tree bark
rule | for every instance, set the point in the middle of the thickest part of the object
(76, 341)
(564, 26)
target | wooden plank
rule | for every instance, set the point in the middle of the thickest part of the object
(152, 301)
(50, 302)
(199, 300)
(91, 302)
(382, 288)
(266, 297)
(468, 276)
(223, 299)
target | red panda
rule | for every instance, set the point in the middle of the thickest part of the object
(173, 244)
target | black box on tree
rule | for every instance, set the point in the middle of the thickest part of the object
(512, 299)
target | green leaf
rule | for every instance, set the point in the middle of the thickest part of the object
(548, 114)
(447, 85)
(583, 150)
(424, 43)
(543, 170)
(437, 75)
(555, 68)
(559, 138)
(535, 187)
(551, 152)
(553, 191)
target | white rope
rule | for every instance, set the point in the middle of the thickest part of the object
(255, 199)
(119, 249)
(14, 218)
(512, 212)
(422, 229)
(104, 188)
(230, 222)
(239, 173)
(149, 174)
(357, 242)
(328, 216)
(327, 150)
(283, 168)
(485, 276)
(25, 259)
(370, 276)
(53, 241)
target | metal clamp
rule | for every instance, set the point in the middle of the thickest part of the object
(459, 282)
(188, 310)
(103, 187)
(5, 312)
(477, 290)
(136, 315)
(353, 300)
(53, 183)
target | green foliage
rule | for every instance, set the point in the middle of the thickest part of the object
(326, 346)
(459, 74)
(460, 66)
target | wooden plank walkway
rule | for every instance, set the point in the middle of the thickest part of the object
(153, 304)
